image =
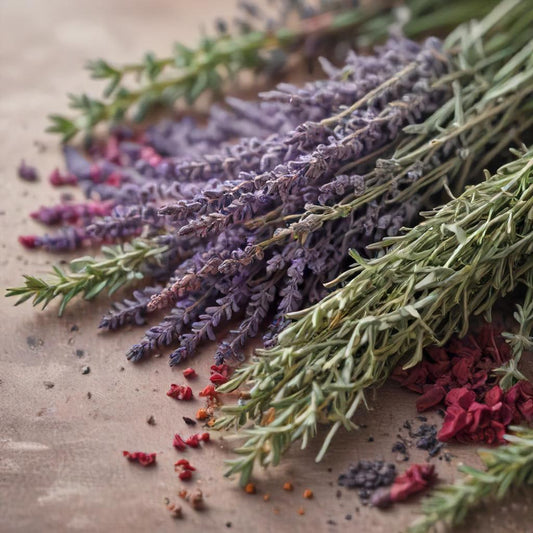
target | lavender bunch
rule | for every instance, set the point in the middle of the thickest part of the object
(338, 163)
(240, 194)
(287, 277)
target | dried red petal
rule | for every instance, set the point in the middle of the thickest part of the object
(438, 354)
(193, 441)
(478, 379)
(525, 389)
(144, 459)
(462, 397)
(493, 396)
(189, 373)
(478, 416)
(28, 241)
(183, 463)
(414, 379)
(114, 179)
(180, 392)
(415, 479)
(218, 379)
(185, 475)
(465, 347)
(220, 373)
(494, 433)
(208, 391)
(506, 414)
(179, 443)
(57, 180)
(461, 370)
(205, 437)
(432, 396)
(455, 421)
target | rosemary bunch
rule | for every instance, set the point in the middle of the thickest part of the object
(428, 282)
(507, 467)
(89, 276)
(189, 72)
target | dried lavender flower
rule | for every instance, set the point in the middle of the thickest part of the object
(27, 173)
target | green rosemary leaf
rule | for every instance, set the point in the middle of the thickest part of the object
(97, 289)
(23, 298)
(520, 341)
(507, 467)
(62, 125)
(89, 276)
(65, 300)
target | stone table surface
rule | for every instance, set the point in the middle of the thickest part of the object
(61, 464)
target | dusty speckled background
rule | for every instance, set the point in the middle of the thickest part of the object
(61, 467)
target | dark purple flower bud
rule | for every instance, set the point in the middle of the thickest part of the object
(27, 172)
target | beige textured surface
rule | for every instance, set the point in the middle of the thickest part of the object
(61, 467)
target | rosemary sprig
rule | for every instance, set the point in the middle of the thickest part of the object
(88, 276)
(520, 341)
(425, 286)
(220, 58)
(507, 467)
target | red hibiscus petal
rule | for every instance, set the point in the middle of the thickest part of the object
(414, 479)
(431, 397)
(526, 410)
(462, 397)
(480, 416)
(455, 420)
(493, 396)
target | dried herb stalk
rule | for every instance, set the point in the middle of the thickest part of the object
(521, 340)
(316, 160)
(456, 263)
(261, 45)
(88, 276)
(507, 468)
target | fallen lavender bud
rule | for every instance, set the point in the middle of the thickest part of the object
(27, 172)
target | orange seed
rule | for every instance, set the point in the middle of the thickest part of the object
(250, 488)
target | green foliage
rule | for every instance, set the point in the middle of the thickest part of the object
(520, 341)
(89, 277)
(507, 467)
(190, 72)
(456, 263)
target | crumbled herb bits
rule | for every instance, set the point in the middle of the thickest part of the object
(367, 476)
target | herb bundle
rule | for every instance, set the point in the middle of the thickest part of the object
(229, 214)
(233, 199)
(261, 42)
(426, 285)
(251, 216)
(507, 467)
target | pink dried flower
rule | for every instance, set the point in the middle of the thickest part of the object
(180, 392)
(58, 180)
(179, 443)
(144, 459)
